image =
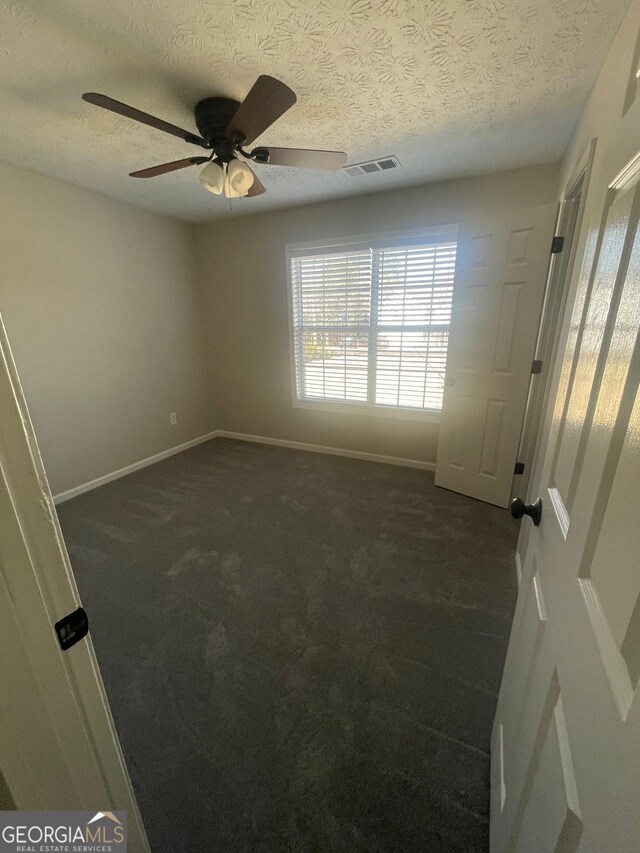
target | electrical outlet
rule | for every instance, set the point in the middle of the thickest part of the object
(173, 418)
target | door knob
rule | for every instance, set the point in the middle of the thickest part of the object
(520, 508)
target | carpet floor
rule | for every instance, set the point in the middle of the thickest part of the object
(302, 652)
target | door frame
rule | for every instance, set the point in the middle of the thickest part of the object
(553, 309)
(554, 339)
(32, 663)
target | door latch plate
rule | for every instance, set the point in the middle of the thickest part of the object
(71, 628)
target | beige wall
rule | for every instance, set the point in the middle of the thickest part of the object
(602, 114)
(101, 306)
(111, 331)
(244, 276)
(6, 800)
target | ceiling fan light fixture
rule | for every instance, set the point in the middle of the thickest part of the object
(230, 192)
(239, 179)
(212, 178)
(225, 126)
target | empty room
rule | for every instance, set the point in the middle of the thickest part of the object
(320, 426)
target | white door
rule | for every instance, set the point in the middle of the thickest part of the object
(501, 270)
(566, 738)
(58, 748)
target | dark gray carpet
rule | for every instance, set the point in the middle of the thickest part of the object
(302, 652)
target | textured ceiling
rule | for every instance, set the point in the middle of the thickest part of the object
(451, 87)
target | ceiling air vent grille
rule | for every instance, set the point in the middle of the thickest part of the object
(381, 165)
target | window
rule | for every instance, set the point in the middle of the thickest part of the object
(371, 322)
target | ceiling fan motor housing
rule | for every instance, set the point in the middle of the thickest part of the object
(212, 119)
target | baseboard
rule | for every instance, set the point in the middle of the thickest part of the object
(240, 436)
(332, 451)
(129, 469)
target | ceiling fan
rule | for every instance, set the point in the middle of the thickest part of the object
(225, 127)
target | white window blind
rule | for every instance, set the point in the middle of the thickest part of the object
(371, 323)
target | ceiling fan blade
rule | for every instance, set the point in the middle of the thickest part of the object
(266, 102)
(168, 167)
(257, 187)
(302, 158)
(144, 118)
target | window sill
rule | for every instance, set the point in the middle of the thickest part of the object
(406, 414)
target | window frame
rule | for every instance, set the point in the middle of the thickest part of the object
(350, 407)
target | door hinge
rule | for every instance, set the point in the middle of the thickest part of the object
(72, 627)
(536, 366)
(519, 469)
(557, 245)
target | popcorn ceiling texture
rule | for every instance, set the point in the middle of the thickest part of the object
(450, 86)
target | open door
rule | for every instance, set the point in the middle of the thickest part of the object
(501, 270)
(59, 749)
(566, 739)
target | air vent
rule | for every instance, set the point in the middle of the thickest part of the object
(382, 165)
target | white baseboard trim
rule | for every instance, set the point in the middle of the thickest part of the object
(240, 436)
(129, 469)
(332, 451)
